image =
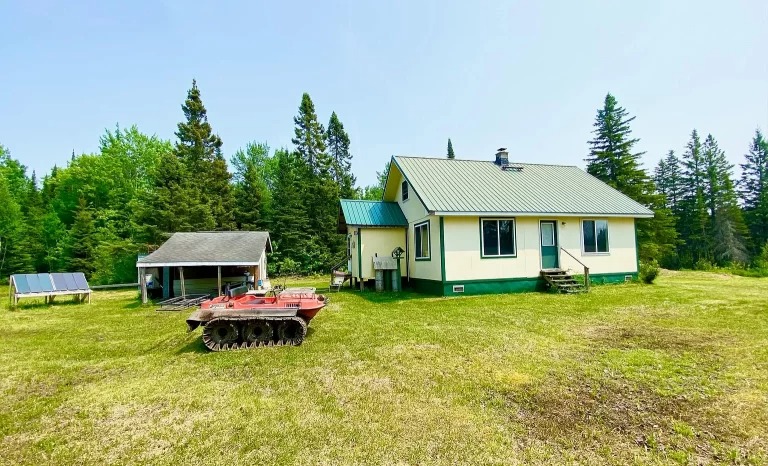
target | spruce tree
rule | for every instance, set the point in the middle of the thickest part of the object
(289, 217)
(320, 189)
(309, 136)
(667, 177)
(694, 218)
(753, 189)
(252, 196)
(82, 240)
(612, 159)
(337, 141)
(199, 151)
(451, 155)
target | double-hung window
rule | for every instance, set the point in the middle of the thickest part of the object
(498, 237)
(421, 240)
(405, 190)
(595, 234)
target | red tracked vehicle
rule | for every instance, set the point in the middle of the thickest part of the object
(241, 319)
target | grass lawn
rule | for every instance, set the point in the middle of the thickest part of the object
(675, 372)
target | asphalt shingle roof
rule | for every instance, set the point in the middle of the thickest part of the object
(210, 248)
(373, 213)
(448, 186)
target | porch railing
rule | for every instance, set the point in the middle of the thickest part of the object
(586, 269)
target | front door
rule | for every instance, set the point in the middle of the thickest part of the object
(548, 232)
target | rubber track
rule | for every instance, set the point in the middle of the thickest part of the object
(211, 345)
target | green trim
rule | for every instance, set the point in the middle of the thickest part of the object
(606, 278)
(428, 223)
(637, 247)
(442, 249)
(514, 237)
(495, 286)
(421, 285)
(360, 253)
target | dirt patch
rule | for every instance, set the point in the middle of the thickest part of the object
(583, 416)
(650, 337)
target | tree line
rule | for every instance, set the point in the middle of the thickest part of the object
(101, 210)
(704, 216)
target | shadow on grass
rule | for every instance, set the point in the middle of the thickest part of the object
(40, 304)
(194, 346)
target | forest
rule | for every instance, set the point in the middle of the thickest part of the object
(103, 209)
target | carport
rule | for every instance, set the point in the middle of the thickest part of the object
(205, 255)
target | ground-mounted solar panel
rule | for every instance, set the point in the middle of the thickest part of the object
(22, 286)
(34, 283)
(58, 281)
(45, 282)
(49, 286)
(80, 281)
(70, 280)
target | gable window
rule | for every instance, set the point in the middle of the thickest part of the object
(498, 238)
(421, 240)
(405, 190)
(595, 234)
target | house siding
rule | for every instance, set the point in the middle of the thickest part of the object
(463, 260)
(375, 241)
(416, 213)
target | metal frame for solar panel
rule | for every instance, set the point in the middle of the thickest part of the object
(48, 286)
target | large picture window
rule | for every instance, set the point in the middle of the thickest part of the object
(498, 238)
(421, 240)
(595, 233)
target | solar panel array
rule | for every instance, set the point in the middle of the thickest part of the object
(46, 283)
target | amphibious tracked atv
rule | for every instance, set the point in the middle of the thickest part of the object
(243, 319)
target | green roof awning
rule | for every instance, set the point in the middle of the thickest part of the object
(371, 214)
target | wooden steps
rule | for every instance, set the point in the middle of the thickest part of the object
(562, 281)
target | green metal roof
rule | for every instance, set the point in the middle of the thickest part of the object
(475, 186)
(372, 213)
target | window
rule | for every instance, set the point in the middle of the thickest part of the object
(421, 240)
(547, 234)
(498, 238)
(405, 190)
(595, 236)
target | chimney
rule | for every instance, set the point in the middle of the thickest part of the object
(502, 157)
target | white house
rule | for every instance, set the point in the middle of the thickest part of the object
(475, 227)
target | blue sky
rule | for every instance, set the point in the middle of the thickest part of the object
(402, 76)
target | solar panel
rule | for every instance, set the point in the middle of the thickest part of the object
(34, 283)
(70, 280)
(21, 283)
(58, 281)
(45, 282)
(80, 281)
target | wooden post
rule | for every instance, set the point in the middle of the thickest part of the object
(143, 284)
(183, 287)
(586, 278)
(218, 287)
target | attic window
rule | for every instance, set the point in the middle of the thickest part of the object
(405, 190)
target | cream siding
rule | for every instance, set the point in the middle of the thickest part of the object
(416, 213)
(381, 241)
(463, 260)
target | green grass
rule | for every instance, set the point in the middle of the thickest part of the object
(675, 372)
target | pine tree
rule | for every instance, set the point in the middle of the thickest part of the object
(81, 240)
(252, 196)
(337, 142)
(289, 218)
(753, 189)
(451, 155)
(171, 205)
(309, 136)
(612, 159)
(694, 218)
(199, 151)
(320, 189)
(728, 228)
(667, 177)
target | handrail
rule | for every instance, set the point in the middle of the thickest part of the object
(586, 269)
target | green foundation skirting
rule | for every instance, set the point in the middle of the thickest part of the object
(503, 285)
